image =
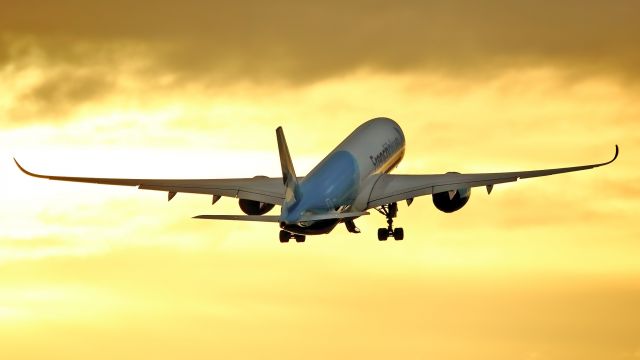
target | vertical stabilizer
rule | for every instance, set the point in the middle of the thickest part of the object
(288, 172)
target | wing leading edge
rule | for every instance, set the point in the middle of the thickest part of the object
(263, 189)
(393, 188)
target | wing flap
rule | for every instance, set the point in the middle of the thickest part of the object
(396, 189)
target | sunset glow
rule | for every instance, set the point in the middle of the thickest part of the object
(542, 268)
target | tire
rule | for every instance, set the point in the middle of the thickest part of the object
(284, 236)
(300, 238)
(398, 233)
(383, 234)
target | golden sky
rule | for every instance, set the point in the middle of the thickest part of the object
(541, 269)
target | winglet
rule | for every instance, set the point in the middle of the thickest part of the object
(614, 156)
(28, 172)
(288, 172)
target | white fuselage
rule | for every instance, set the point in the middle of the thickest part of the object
(375, 147)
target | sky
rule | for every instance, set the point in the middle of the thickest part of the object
(540, 269)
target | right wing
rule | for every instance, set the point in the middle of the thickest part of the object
(393, 188)
(263, 189)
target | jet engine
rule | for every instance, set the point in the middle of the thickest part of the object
(448, 203)
(252, 207)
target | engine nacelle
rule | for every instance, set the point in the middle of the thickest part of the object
(445, 203)
(252, 207)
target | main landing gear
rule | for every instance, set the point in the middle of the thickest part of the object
(285, 236)
(390, 211)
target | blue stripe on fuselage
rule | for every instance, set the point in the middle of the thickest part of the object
(333, 183)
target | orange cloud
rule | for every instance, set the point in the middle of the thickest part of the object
(297, 43)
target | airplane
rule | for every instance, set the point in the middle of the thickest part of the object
(353, 178)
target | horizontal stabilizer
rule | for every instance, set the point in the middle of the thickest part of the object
(336, 215)
(260, 218)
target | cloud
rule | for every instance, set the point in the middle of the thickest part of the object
(59, 92)
(300, 42)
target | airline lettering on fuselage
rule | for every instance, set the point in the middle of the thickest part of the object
(388, 149)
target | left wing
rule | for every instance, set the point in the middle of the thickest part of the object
(263, 189)
(393, 188)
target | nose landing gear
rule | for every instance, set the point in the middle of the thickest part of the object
(285, 236)
(351, 227)
(390, 211)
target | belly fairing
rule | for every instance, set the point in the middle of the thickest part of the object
(314, 228)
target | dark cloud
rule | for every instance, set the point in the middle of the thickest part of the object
(301, 41)
(59, 92)
(67, 86)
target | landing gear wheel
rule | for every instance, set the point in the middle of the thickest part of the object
(398, 233)
(390, 211)
(299, 238)
(284, 236)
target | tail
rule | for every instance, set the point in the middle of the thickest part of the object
(288, 172)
